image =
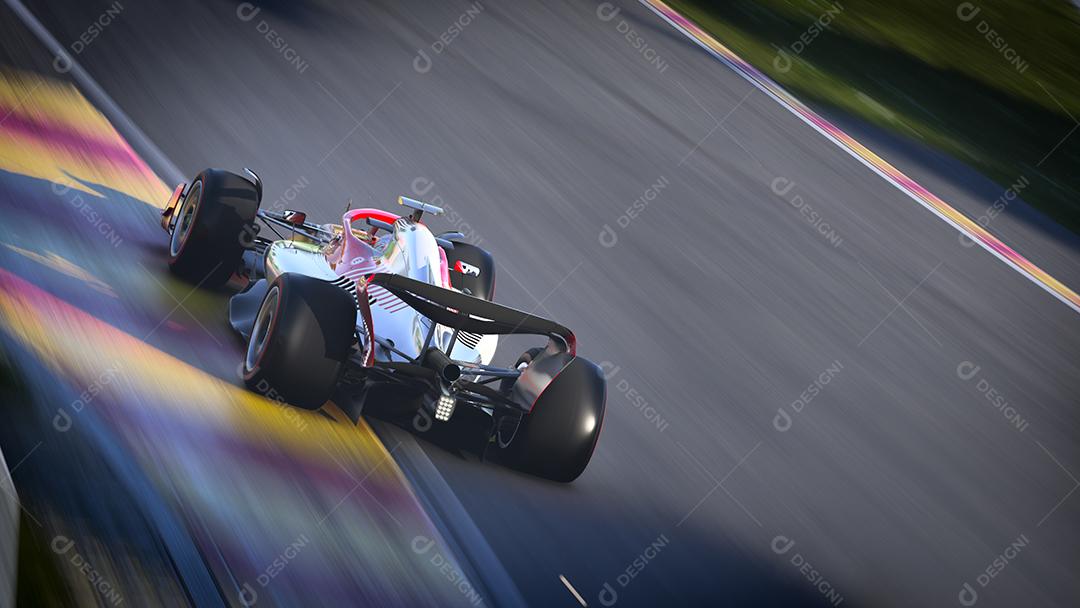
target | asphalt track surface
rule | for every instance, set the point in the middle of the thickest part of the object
(898, 481)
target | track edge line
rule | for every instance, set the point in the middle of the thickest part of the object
(881, 167)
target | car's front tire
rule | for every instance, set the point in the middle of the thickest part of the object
(302, 336)
(213, 221)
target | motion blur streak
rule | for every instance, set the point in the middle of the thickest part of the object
(213, 437)
(915, 190)
(51, 132)
(9, 534)
(720, 303)
(207, 447)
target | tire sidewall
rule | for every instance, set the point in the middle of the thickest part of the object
(308, 341)
(212, 250)
(250, 374)
(548, 441)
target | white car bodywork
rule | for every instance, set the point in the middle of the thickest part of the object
(410, 250)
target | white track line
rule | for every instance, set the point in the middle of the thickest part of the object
(577, 595)
(890, 179)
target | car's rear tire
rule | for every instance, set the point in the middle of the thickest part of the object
(301, 338)
(213, 222)
(556, 439)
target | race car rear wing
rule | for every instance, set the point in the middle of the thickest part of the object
(466, 313)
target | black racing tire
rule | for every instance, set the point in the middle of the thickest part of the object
(480, 285)
(300, 340)
(557, 438)
(213, 222)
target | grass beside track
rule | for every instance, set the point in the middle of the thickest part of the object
(993, 83)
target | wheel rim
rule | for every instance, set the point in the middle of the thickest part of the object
(261, 331)
(185, 220)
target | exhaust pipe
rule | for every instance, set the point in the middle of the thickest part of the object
(445, 368)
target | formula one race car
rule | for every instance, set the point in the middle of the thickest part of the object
(380, 302)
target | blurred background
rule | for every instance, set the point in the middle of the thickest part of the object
(760, 218)
(993, 83)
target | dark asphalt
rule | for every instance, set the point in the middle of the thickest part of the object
(720, 303)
